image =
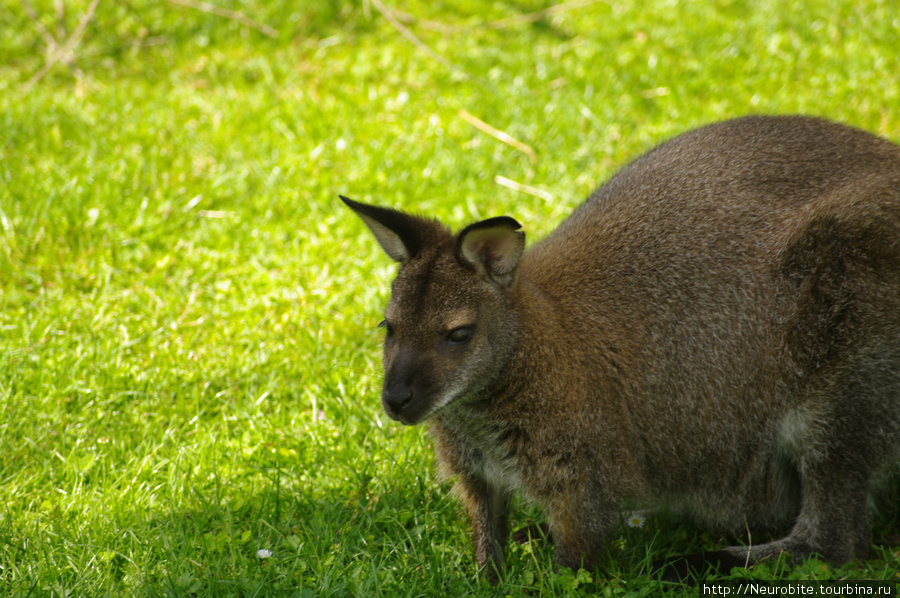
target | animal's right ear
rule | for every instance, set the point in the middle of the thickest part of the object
(399, 234)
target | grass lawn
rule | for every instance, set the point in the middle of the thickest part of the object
(189, 363)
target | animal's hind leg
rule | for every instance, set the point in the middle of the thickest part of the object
(842, 340)
(839, 449)
(833, 524)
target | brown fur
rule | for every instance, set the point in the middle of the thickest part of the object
(717, 327)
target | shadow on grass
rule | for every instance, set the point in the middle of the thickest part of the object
(366, 537)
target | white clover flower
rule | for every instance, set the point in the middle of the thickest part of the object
(264, 553)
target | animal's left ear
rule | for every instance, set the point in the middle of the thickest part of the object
(492, 248)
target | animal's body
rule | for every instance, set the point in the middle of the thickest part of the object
(717, 326)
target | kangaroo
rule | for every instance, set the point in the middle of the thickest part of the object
(717, 327)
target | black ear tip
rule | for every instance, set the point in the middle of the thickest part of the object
(513, 223)
(506, 221)
(349, 202)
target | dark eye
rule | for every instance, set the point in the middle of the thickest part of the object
(388, 328)
(460, 335)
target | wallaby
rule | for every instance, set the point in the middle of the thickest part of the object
(717, 327)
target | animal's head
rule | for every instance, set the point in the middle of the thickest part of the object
(450, 325)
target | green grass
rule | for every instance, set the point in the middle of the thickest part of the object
(189, 366)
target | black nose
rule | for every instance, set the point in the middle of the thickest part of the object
(397, 399)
